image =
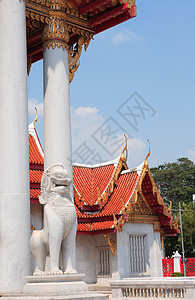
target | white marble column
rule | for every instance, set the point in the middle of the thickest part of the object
(57, 123)
(14, 157)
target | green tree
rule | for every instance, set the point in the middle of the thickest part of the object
(177, 184)
(176, 180)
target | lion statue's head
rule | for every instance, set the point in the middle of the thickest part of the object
(55, 180)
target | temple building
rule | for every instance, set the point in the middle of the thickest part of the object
(122, 219)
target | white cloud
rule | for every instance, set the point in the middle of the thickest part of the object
(191, 154)
(32, 103)
(137, 152)
(85, 121)
(84, 111)
(124, 35)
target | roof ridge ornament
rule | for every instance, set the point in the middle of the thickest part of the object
(148, 155)
(125, 151)
(36, 117)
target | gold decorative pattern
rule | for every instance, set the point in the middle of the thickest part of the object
(36, 117)
(169, 208)
(79, 199)
(111, 244)
(149, 219)
(156, 227)
(29, 63)
(55, 33)
(74, 56)
(57, 4)
(118, 224)
(32, 227)
(39, 10)
(139, 207)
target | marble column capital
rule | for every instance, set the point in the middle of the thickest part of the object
(55, 33)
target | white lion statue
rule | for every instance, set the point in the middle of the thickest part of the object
(57, 238)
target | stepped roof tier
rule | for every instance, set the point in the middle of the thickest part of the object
(83, 18)
(109, 194)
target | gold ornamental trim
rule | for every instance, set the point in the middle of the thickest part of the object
(36, 117)
(29, 64)
(55, 33)
(118, 224)
(40, 11)
(32, 227)
(54, 44)
(111, 243)
(74, 54)
(79, 199)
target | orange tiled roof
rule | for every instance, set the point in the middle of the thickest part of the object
(35, 176)
(108, 178)
(87, 179)
(34, 155)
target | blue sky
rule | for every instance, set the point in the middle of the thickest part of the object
(152, 55)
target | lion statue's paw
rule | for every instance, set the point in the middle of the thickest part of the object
(39, 272)
(56, 272)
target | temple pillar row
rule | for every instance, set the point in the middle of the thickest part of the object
(14, 153)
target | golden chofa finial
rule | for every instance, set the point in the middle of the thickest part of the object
(124, 154)
(148, 155)
(35, 119)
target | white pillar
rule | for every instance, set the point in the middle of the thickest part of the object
(177, 266)
(57, 123)
(14, 157)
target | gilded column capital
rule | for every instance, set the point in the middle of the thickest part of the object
(55, 33)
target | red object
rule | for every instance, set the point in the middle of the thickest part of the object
(189, 266)
(113, 22)
(133, 12)
(168, 267)
(92, 6)
(92, 209)
(107, 15)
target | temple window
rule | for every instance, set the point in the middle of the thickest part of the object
(137, 253)
(103, 261)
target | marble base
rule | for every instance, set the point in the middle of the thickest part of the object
(55, 287)
(55, 284)
(82, 296)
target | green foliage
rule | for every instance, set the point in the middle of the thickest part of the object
(176, 180)
(177, 184)
(177, 274)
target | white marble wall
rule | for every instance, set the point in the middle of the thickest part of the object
(153, 253)
(86, 257)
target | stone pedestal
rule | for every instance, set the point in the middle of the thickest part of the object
(56, 287)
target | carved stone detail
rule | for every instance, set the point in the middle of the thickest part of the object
(58, 234)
